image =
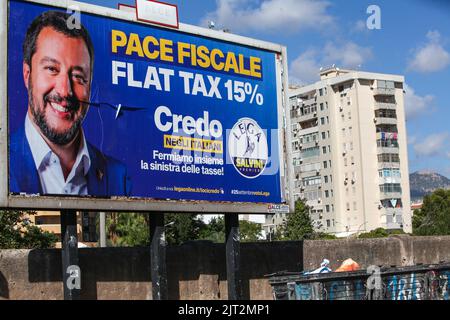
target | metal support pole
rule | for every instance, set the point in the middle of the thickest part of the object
(233, 257)
(69, 245)
(158, 257)
(102, 230)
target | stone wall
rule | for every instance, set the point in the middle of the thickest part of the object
(197, 270)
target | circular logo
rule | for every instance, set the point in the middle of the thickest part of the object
(248, 149)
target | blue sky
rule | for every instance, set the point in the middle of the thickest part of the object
(414, 41)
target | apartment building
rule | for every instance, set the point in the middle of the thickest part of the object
(350, 151)
(50, 221)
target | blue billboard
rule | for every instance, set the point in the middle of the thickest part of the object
(101, 107)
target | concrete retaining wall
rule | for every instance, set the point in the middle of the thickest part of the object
(197, 270)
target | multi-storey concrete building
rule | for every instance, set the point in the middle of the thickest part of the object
(350, 151)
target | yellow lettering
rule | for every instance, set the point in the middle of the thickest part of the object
(181, 53)
(146, 44)
(244, 71)
(203, 57)
(134, 45)
(214, 54)
(119, 39)
(166, 50)
(231, 63)
(255, 67)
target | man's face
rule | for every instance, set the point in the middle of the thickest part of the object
(57, 80)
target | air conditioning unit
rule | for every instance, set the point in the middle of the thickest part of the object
(375, 120)
(317, 172)
(341, 109)
(317, 143)
(353, 181)
(319, 200)
(344, 153)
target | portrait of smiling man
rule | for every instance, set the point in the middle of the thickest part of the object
(49, 154)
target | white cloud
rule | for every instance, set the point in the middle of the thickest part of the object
(432, 57)
(359, 26)
(270, 15)
(416, 105)
(305, 68)
(432, 145)
(349, 55)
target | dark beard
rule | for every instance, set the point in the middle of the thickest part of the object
(55, 137)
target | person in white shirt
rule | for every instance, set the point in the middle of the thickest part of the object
(50, 155)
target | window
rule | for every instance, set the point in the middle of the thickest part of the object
(351, 146)
(389, 143)
(326, 179)
(328, 120)
(349, 116)
(327, 194)
(343, 132)
(324, 150)
(391, 188)
(348, 206)
(355, 206)
(350, 129)
(329, 162)
(392, 114)
(325, 165)
(353, 161)
(324, 136)
(322, 121)
(327, 208)
(329, 149)
(310, 152)
(331, 178)
(321, 107)
(320, 92)
(345, 161)
(326, 105)
(328, 223)
(332, 193)
(389, 157)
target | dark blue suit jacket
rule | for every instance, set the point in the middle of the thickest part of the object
(107, 177)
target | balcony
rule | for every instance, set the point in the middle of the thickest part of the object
(309, 102)
(391, 150)
(384, 92)
(387, 180)
(385, 105)
(388, 165)
(390, 195)
(385, 121)
(387, 136)
(307, 117)
(295, 113)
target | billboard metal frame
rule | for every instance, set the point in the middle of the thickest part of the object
(38, 202)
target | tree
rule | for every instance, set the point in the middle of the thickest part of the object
(298, 225)
(214, 231)
(379, 233)
(182, 227)
(127, 230)
(16, 232)
(434, 217)
(249, 231)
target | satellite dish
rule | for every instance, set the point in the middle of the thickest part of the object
(211, 25)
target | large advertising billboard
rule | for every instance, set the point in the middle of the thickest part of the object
(101, 107)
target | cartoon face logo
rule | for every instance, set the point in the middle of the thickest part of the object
(248, 149)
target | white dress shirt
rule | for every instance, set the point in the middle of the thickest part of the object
(49, 167)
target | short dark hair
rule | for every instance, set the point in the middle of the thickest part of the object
(56, 20)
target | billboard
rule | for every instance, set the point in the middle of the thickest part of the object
(103, 107)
